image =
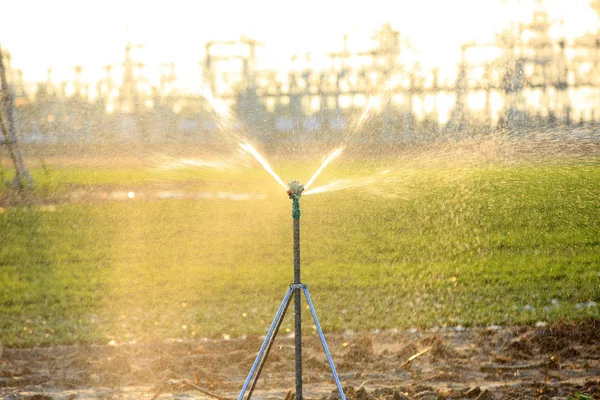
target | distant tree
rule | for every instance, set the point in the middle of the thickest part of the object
(7, 125)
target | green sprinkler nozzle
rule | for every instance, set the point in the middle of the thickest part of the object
(295, 191)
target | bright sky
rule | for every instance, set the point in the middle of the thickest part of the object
(93, 33)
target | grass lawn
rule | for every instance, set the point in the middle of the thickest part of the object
(425, 245)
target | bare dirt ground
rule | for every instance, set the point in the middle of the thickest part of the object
(480, 363)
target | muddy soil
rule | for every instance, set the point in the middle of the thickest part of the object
(483, 363)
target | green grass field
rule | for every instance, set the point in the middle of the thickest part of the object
(426, 245)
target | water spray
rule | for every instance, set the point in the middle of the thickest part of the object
(295, 289)
(328, 159)
(265, 164)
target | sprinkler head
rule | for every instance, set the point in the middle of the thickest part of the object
(296, 189)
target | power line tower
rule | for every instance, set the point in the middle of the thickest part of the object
(129, 96)
(237, 84)
(384, 63)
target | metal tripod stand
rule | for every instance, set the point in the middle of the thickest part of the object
(294, 290)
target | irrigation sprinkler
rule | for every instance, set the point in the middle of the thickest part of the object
(295, 289)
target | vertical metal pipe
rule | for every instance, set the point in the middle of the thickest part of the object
(297, 309)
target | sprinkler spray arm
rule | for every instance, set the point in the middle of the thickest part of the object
(295, 191)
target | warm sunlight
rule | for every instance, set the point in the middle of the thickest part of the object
(95, 35)
(176, 175)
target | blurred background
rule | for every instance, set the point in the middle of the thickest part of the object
(137, 72)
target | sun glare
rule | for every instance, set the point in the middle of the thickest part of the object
(421, 23)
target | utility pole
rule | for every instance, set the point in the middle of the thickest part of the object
(22, 177)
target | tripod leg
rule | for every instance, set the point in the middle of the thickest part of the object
(278, 316)
(268, 349)
(320, 331)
